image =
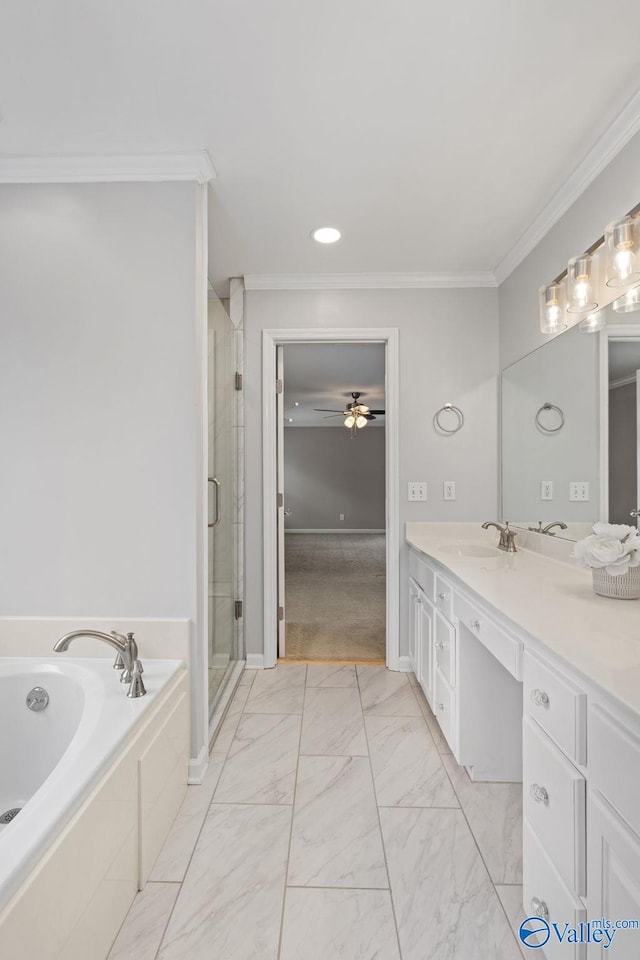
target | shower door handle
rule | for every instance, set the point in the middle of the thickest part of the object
(216, 486)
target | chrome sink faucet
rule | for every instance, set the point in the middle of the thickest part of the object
(507, 541)
(126, 659)
(549, 527)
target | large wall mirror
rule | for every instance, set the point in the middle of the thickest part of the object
(570, 422)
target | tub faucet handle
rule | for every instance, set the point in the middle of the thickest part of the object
(137, 687)
(118, 663)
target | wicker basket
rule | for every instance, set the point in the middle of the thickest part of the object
(626, 586)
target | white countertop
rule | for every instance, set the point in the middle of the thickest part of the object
(550, 600)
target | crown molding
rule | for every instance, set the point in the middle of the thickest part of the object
(606, 147)
(153, 168)
(368, 281)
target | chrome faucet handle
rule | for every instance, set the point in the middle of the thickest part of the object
(129, 658)
(118, 663)
(137, 687)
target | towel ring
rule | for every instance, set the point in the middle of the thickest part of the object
(449, 408)
(549, 406)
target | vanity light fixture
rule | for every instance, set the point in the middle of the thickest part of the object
(552, 308)
(581, 284)
(621, 243)
(593, 322)
(628, 302)
(326, 234)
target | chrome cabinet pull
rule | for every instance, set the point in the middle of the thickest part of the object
(440, 706)
(538, 793)
(439, 645)
(216, 486)
(474, 624)
(539, 908)
(540, 697)
(442, 597)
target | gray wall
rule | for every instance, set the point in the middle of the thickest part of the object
(98, 405)
(327, 473)
(448, 353)
(615, 191)
(623, 453)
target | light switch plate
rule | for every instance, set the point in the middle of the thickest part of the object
(579, 490)
(546, 489)
(417, 490)
(449, 490)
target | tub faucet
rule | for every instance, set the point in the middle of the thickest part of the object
(507, 541)
(127, 656)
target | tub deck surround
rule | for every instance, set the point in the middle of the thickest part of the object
(96, 704)
(110, 781)
(545, 599)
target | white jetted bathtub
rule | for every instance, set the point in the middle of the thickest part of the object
(88, 786)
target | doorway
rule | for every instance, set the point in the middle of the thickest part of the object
(275, 506)
(332, 519)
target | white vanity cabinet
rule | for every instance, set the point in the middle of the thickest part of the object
(512, 709)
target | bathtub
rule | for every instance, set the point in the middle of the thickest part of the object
(50, 761)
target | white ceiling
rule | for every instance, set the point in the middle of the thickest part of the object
(324, 375)
(432, 134)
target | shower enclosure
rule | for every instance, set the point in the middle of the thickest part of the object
(222, 440)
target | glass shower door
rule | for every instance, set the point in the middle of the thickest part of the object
(221, 485)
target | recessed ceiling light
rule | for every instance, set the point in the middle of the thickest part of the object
(325, 234)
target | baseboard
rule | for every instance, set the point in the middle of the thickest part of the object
(198, 766)
(255, 661)
(336, 530)
(404, 665)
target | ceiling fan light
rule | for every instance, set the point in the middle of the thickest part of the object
(349, 421)
(363, 408)
(361, 422)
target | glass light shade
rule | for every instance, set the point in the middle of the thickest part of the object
(349, 421)
(361, 422)
(552, 308)
(621, 244)
(581, 284)
(363, 408)
(326, 234)
(628, 302)
(593, 322)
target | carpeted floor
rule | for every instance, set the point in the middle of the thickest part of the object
(335, 587)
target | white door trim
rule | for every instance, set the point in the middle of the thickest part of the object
(270, 340)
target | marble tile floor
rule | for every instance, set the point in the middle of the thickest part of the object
(333, 825)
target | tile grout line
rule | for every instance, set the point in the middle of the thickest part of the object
(293, 807)
(204, 820)
(463, 812)
(375, 796)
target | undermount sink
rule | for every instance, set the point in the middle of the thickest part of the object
(476, 550)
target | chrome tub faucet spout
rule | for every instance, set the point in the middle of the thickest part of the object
(126, 658)
(507, 541)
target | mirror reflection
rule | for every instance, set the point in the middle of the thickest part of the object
(570, 442)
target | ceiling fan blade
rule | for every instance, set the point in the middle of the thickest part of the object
(369, 416)
(324, 410)
(377, 411)
(332, 415)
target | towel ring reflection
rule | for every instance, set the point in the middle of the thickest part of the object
(541, 426)
(449, 408)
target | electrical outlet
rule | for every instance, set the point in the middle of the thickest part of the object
(546, 489)
(417, 490)
(342, 516)
(449, 490)
(578, 490)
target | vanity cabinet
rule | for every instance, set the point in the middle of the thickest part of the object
(510, 709)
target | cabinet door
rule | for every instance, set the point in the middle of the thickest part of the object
(414, 628)
(425, 635)
(613, 872)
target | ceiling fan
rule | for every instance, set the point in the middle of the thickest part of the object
(356, 415)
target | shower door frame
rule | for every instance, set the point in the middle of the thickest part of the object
(271, 339)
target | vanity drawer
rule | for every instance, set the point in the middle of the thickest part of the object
(554, 797)
(445, 648)
(443, 596)
(614, 765)
(423, 574)
(558, 706)
(544, 894)
(506, 649)
(444, 698)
